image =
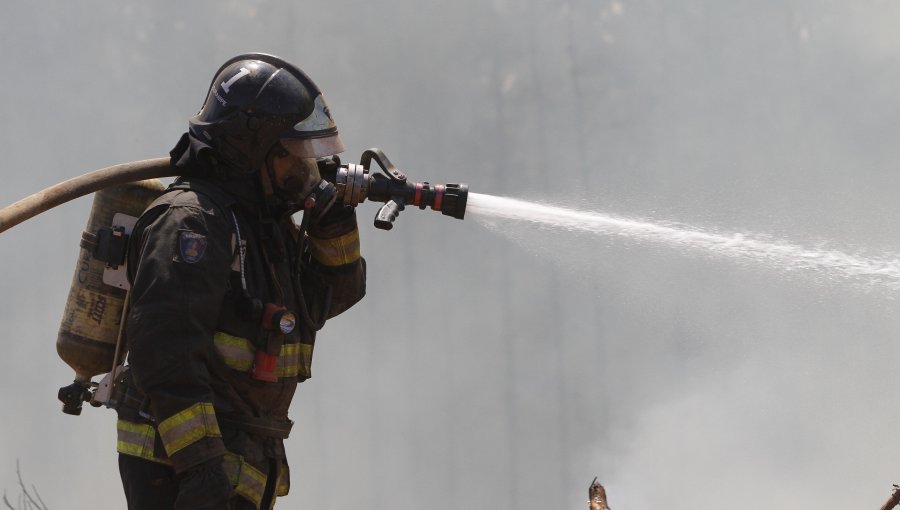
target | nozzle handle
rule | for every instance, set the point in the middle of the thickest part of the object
(386, 215)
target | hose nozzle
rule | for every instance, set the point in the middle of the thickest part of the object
(356, 183)
(453, 203)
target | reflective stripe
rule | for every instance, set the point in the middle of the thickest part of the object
(137, 440)
(336, 251)
(288, 361)
(188, 426)
(294, 359)
(284, 479)
(248, 481)
(239, 354)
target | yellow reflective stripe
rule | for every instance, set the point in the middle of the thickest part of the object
(238, 353)
(336, 251)
(251, 484)
(289, 361)
(188, 426)
(248, 481)
(137, 440)
(292, 358)
(284, 480)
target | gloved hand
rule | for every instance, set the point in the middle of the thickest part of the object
(204, 487)
(337, 221)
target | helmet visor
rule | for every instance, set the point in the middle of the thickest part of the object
(314, 147)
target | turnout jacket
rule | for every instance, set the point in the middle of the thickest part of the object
(190, 394)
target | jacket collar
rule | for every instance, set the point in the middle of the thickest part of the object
(197, 159)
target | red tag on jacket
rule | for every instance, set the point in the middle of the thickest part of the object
(264, 367)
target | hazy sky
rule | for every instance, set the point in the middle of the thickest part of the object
(505, 367)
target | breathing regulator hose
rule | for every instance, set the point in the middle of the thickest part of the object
(354, 184)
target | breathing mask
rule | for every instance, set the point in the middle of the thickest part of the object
(297, 182)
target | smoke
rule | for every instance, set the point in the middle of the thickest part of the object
(478, 373)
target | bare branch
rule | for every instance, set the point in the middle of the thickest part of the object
(6, 502)
(28, 500)
(43, 505)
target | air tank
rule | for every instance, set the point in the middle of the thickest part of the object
(93, 311)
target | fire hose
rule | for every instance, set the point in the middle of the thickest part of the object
(354, 183)
(71, 189)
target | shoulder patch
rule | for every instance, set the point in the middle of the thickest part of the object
(191, 246)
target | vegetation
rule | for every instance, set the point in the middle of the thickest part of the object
(26, 500)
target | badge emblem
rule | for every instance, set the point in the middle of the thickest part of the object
(192, 246)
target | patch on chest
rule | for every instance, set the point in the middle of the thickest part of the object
(191, 246)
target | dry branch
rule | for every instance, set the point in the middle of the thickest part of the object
(26, 500)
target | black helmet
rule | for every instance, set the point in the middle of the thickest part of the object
(257, 100)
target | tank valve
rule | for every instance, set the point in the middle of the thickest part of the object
(356, 183)
(73, 396)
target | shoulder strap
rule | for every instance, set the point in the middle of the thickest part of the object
(223, 200)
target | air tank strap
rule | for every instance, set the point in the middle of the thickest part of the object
(217, 195)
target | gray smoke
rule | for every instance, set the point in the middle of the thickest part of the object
(479, 372)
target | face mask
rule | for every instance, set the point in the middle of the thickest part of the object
(295, 177)
(297, 181)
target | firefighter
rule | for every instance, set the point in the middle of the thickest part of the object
(228, 292)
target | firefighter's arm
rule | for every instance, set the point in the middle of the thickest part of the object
(334, 249)
(178, 285)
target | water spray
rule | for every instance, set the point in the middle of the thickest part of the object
(882, 271)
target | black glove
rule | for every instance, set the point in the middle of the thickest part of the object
(337, 221)
(204, 487)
